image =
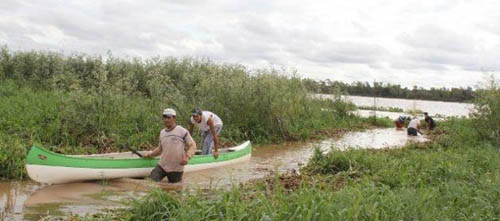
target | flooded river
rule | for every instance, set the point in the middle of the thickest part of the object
(446, 109)
(28, 200)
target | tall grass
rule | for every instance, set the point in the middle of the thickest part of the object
(86, 104)
(440, 180)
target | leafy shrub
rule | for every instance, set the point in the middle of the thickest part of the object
(486, 112)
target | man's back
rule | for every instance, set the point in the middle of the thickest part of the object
(415, 123)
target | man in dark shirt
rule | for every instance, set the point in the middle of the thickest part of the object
(429, 121)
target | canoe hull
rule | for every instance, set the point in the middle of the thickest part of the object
(51, 173)
(58, 175)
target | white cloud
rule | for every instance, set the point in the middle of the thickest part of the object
(427, 43)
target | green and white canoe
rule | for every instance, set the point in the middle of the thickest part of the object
(48, 167)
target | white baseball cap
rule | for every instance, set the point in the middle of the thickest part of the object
(169, 111)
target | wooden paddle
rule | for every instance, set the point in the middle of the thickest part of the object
(132, 150)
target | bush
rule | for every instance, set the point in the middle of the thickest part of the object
(86, 104)
(486, 112)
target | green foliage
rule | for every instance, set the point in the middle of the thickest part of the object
(12, 154)
(380, 89)
(435, 180)
(414, 112)
(87, 104)
(157, 206)
(487, 111)
(388, 109)
(261, 105)
(379, 121)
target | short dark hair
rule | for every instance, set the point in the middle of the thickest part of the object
(196, 111)
(425, 113)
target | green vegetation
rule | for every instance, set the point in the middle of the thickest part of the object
(86, 104)
(454, 177)
(381, 89)
(81, 104)
(414, 112)
(487, 111)
(388, 109)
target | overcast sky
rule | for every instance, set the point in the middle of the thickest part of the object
(429, 43)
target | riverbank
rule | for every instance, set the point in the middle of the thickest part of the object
(33, 201)
(77, 123)
(82, 104)
(85, 104)
(455, 176)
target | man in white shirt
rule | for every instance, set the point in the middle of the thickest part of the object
(414, 127)
(210, 126)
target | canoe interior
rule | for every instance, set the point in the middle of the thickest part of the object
(130, 155)
(40, 156)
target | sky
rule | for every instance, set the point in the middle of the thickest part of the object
(428, 43)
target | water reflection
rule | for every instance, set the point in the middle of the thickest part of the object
(12, 197)
(89, 192)
(373, 139)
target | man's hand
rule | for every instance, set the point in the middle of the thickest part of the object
(216, 154)
(184, 160)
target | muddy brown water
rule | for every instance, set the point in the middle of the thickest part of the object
(28, 200)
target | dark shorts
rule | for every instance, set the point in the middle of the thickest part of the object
(412, 131)
(158, 174)
(431, 123)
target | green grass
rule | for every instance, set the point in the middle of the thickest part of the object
(450, 178)
(79, 123)
(388, 109)
(83, 104)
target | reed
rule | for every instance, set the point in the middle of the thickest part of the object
(388, 109)
(79, 104)
(440, 180)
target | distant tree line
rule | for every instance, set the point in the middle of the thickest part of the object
(388, 90)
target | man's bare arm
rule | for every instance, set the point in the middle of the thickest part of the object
(190, 128)
(154, 153)
(191, 148)
(210, 123)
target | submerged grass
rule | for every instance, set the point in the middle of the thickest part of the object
(388, 109)
(454, 177)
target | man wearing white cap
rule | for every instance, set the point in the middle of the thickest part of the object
(176, 147)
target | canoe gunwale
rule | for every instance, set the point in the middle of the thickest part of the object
(40, 156)
(53, 168)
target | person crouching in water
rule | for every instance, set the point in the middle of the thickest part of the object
(400, 121)
(176, 147)
(414, 127)
(429, 121)
(210, 126)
